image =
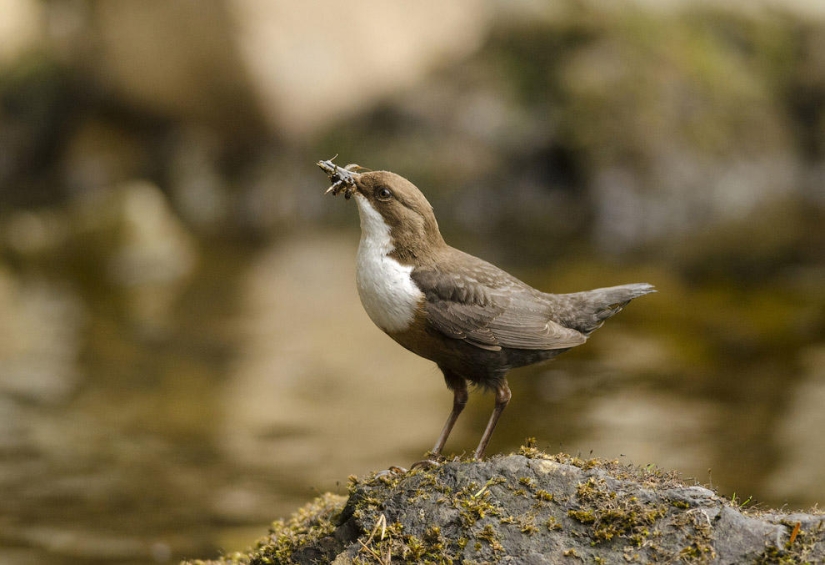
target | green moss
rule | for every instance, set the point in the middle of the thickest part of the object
(597, 513)
(530, 451)
(307, 526)
(392, 545)
(583, 516)
(552, 524)
(700, 549)
(474, 504)
(415, 549)
(612, 515)
(800, 551)
(489, 535)
(527, 525)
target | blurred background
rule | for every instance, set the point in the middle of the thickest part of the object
(183, 356)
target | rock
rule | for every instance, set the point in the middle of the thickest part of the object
(534, 508)
(130, 237)
(230, 62)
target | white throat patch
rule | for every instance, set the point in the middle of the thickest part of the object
(387, 291)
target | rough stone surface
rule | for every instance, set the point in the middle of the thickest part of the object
(535, 508)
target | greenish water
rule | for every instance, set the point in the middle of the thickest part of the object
(135, 432)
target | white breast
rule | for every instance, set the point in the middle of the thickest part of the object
(387, 292)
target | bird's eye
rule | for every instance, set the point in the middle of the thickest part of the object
(383, 193)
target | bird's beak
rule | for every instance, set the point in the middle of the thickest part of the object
(343, 178)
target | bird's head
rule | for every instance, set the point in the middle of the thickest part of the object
(388, 203)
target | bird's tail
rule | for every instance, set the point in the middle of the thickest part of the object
(587, 311)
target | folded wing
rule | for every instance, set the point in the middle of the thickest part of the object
(490, 312)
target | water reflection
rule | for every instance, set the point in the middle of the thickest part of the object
(317, 392)
(798, 473)
(134, 435)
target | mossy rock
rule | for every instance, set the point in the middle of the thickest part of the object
(534, 508)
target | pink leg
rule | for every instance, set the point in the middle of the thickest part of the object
(459, 402)
(503, 395)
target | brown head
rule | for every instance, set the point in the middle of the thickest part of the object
(402, 209)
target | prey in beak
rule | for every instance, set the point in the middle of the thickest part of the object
(343, 178)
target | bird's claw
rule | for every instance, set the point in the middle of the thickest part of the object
(426, 464)
(390, 472)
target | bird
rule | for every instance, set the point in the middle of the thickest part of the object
(474, 320)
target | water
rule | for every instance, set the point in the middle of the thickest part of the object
(143, 424)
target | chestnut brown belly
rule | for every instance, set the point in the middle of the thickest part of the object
(480, 366)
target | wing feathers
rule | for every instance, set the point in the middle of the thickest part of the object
(513, 316)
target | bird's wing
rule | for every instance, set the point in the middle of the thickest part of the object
(490, 309)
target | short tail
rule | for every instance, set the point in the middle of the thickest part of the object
(587, 311)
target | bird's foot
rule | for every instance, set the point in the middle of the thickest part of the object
(432, 461)
(425, 464)
(392, 471)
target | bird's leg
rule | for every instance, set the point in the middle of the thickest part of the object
(460, 396)
(503, 395)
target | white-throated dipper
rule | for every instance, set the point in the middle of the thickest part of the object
(475, 321)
